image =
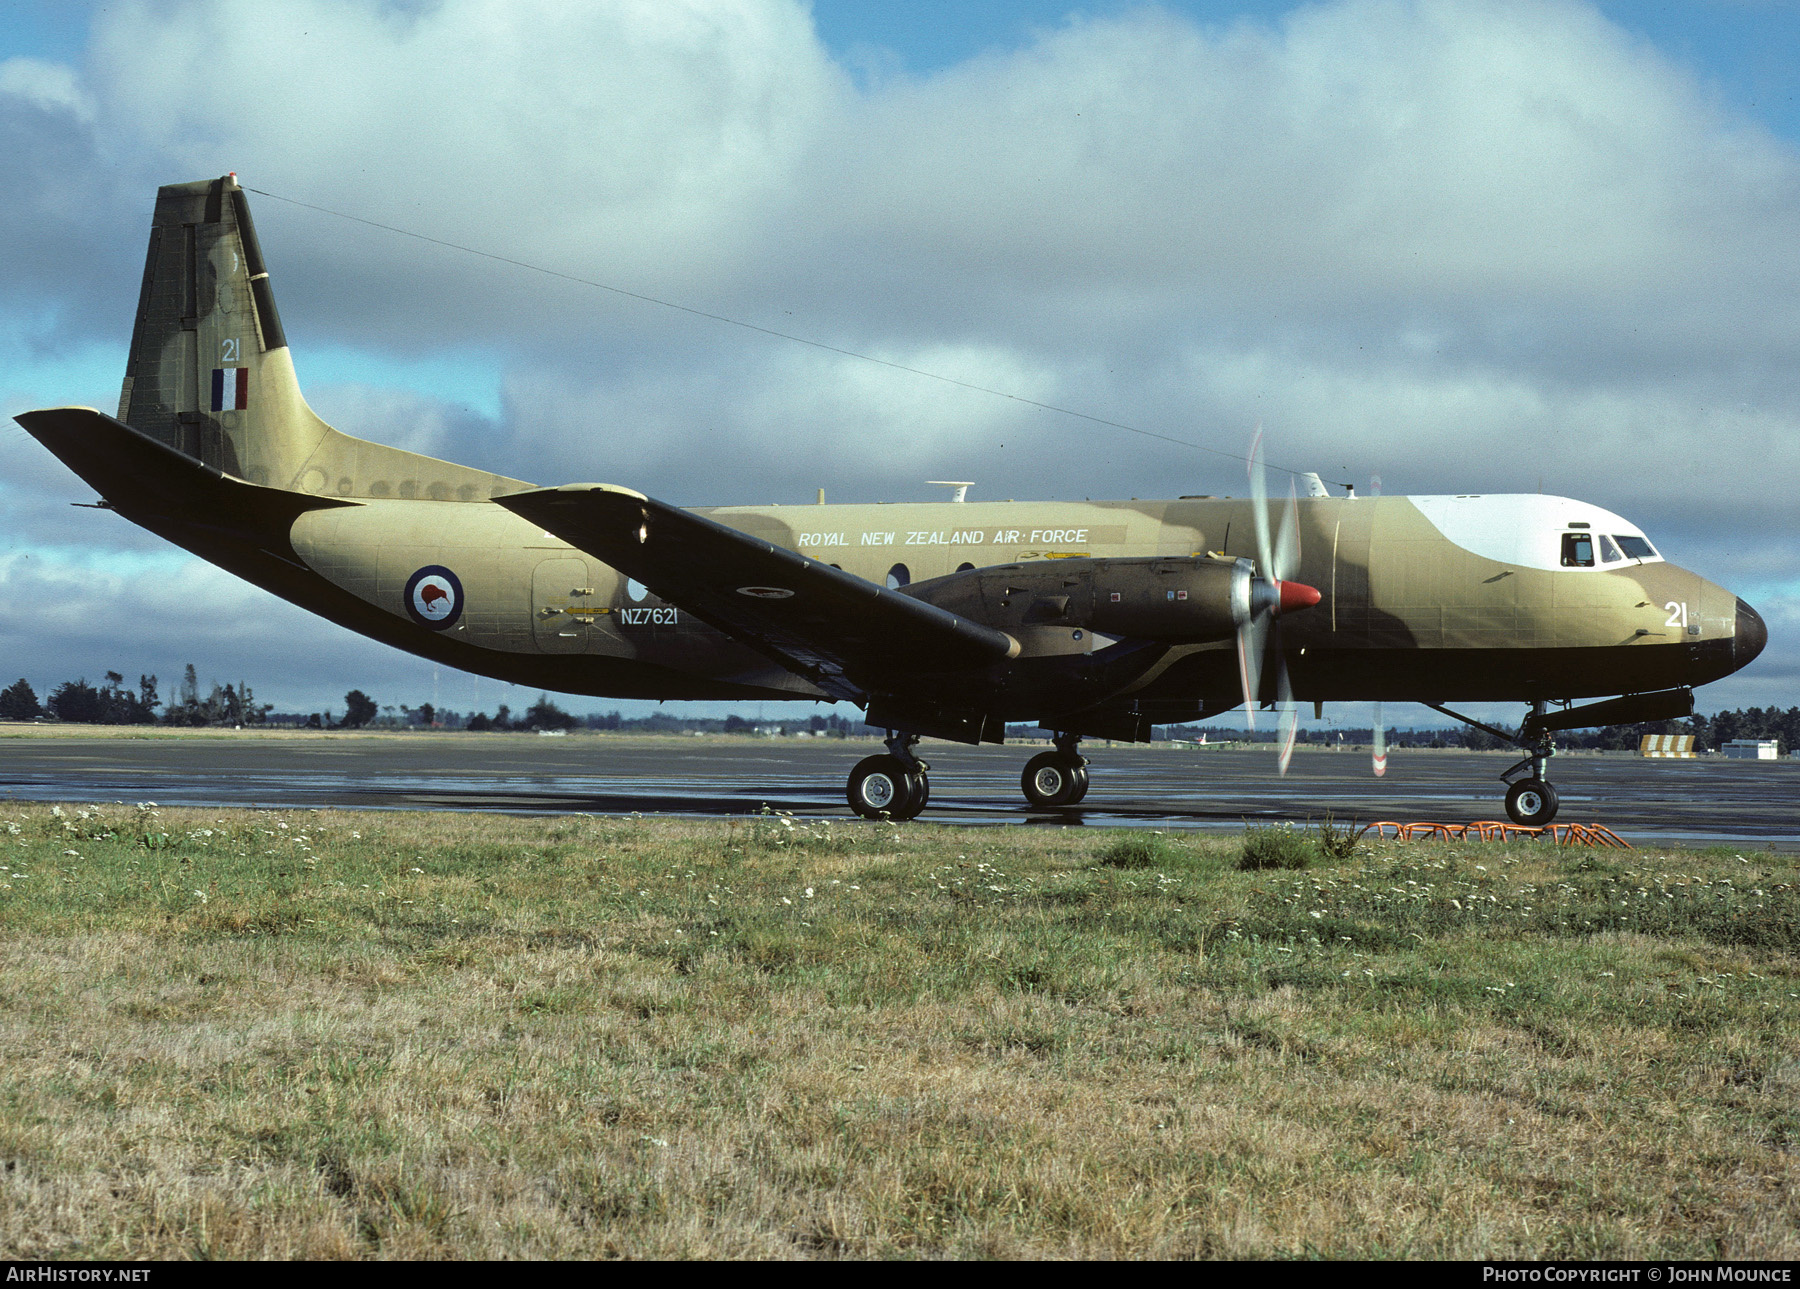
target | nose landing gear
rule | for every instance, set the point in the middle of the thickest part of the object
(891, 786)
(1058, 778)
(1530, 800)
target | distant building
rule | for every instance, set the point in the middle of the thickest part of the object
(1679, 745)
(1752, 749)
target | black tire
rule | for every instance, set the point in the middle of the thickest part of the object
(1531, 802)
(1052, 779)
(882, 787)
(921, 795)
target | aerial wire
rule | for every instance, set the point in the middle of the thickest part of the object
(767, 331)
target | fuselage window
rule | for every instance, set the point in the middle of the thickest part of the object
(965, 568)
(1636, 547)
(1578, 550)
(1609, 554)
(898, 576)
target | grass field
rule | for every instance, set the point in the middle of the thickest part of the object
(237, 1034)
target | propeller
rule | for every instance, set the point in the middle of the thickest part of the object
(1273, 593)
(1380, 742)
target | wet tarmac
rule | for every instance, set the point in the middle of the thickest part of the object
(1707, 801)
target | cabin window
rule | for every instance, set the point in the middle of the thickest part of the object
(1636, 547)
(898, 576)
(1609, 554)
(1578, 550)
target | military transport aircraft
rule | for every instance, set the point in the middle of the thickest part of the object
(946, 620)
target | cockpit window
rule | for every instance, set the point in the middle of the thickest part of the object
(1636, 547)
(1578, 550)
(1609, 554)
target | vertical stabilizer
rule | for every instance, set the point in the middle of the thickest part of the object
(209, 373)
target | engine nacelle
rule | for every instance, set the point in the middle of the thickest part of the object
(1176, 600)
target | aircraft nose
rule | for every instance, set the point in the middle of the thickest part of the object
(1752, 635)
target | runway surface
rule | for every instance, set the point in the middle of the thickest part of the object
(1751, 803)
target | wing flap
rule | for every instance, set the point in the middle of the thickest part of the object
(843, 633)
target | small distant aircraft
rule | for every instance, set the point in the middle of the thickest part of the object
(947, 619)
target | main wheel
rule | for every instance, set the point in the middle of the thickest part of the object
(882, 786)
(1531, 802)
(1051, 779)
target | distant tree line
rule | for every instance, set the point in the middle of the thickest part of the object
(111, 703)
(1710, 733)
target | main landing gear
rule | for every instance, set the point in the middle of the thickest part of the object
(1530, 800)
(892, 786)
(1058, 778)
(895, 785)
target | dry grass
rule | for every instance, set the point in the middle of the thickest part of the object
(240, 1034)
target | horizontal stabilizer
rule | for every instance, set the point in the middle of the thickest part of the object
(144, 479)
(846, 635)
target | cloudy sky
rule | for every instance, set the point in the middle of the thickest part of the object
(1467, 247)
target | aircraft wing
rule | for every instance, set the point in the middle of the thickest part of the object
(845, 634)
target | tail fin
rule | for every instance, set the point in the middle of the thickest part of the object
(210, 374)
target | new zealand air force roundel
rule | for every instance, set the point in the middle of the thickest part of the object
(434, 597)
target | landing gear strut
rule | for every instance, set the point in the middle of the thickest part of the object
(892, 786)
(1058, 778)
(1530, 800)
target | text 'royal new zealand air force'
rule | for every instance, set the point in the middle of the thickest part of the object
(959, 537)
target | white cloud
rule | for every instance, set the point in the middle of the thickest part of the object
(50, 87)
(66, 614)
(639, 131)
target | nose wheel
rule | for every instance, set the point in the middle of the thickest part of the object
(1531, 802)
(1058, 778)
(891, 786)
